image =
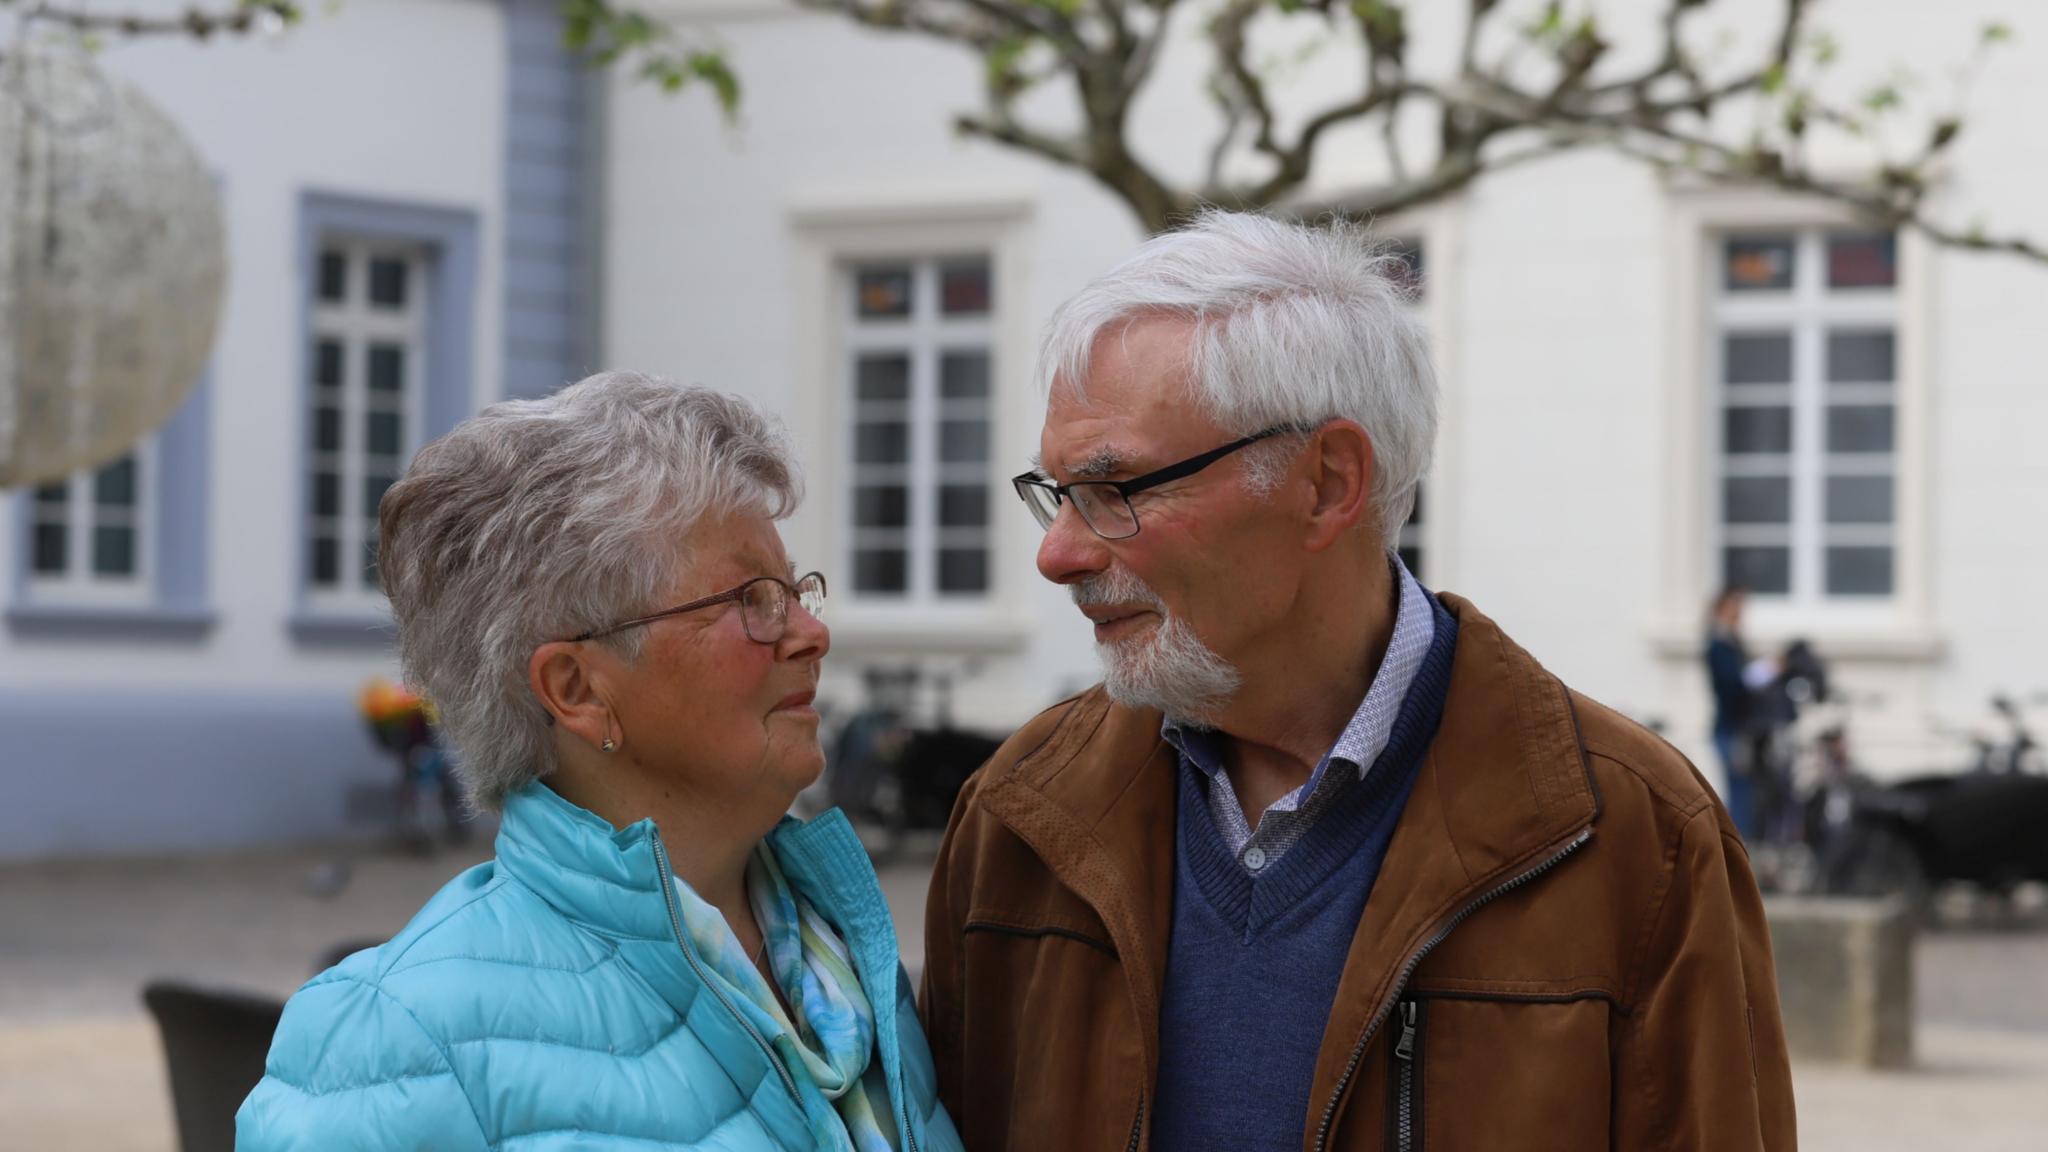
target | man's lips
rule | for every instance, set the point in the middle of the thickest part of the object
(796, 700)
(1113, 621)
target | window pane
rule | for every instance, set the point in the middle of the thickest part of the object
(963, 375)
(326, 494)
(387, 282)
(327, 363)
(1757, 430)
(963, 441)
(114, 485)
(113, 550)
(1415, 513)
(1756, 500)
(1860, 357)
(881, 293)
(374, 486)
(333, 275)
(1411, 559)
(1860, 428)
(327, 429)
(963, 289)
(1758, 264)
(880, 570)
(1764, 358)
(1859, 571)
(1859, 499)
(1868, 260)
(963, 570)
(881, 506)
(963, 505)
(57, 493)
(387, 368)
(52, 548)
(881, 443)
(382, 430)
(326, 561)
(882, 378)
(1763, 570)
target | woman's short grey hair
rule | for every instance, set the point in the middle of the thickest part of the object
(537, 520)
(1294, 324)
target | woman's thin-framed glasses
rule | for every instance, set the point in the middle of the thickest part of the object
(1105, 505)
(764, 607)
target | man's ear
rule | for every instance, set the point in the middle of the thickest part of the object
(563, 679)
(1340, 468)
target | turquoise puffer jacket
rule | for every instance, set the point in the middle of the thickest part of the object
(546, 1001)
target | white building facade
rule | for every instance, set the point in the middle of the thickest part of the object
(1648, 389)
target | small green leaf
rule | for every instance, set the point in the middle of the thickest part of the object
(1773, 79)
(1945, 132)
(1882, 99)
(1825, 48)
(1997, 32)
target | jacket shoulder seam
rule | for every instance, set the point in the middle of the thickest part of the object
(1686, 806)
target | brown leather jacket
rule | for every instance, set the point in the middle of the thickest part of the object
(1565, 942)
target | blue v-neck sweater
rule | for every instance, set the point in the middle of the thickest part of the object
(1254, 961)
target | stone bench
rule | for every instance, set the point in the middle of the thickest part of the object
(1845, 978)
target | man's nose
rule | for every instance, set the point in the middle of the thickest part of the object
(1071, 550)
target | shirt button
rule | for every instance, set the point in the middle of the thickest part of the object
(1255, 858)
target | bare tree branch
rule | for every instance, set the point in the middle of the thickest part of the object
(238, 18)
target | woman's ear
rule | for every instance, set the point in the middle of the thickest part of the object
(563, 679)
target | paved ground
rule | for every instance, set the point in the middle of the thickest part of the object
(80, 1067)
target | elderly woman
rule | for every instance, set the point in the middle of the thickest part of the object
(592, 590)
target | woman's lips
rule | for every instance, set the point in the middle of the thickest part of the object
(798, 702)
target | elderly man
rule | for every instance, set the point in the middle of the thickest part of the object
(1326, 862)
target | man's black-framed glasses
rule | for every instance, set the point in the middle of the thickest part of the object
(1105, 505)
(764, 607)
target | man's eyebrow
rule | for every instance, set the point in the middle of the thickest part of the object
(1102, 462)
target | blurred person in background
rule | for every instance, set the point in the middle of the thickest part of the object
(1727, 669)
(1320, 838)
(592, 590)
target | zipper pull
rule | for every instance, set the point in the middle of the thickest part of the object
(1404, 1049)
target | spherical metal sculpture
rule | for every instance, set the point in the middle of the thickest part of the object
(112, 262)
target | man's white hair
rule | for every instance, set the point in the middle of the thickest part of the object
(1293, 325)
(537, 520)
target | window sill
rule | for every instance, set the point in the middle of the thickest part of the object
(342, 629)
(107, 622)
(1888, 646)
(871, 629)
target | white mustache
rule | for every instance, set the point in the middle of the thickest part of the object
(1115, 586)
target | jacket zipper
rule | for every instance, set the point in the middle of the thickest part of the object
(1415, 960)
(1137, 1125)
(1408, 1079)
(675, 920)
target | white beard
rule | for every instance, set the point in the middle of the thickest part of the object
(1170, 669)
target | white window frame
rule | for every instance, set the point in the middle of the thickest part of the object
(1895, 628)
(829, 237)
(356, 324)
(78, 585)
(1808, 312)
(924, 337)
